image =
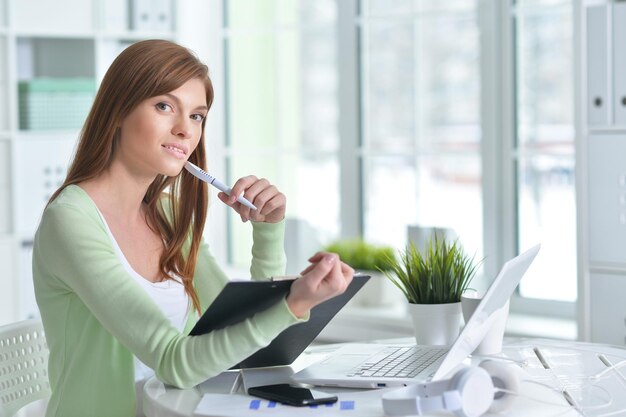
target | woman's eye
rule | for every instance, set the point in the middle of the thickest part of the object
(197, 117)
(163, 106)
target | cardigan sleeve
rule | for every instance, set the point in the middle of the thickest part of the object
(268, 254)
(77, 254)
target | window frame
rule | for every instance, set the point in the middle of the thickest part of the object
(508, 15)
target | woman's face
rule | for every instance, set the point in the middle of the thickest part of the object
(158, 136)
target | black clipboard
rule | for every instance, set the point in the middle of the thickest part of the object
(240, 300)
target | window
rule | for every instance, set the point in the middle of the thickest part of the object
(282, 107)
(422, 144)
(544, 150)
(421, 120)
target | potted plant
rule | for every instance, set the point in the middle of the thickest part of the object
(432, 282)
(373, 260)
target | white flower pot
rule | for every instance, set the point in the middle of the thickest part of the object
(436, 324)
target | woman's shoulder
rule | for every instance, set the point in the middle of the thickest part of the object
(71, 201)
(71, 217)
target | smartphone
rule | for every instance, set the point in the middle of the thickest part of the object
(286, 394)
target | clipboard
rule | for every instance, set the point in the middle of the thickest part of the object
(240, 300)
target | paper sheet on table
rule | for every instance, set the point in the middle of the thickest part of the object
(361, 404)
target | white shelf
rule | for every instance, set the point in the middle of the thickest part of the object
(52, 17)
(8, 283)
(136, 35)
(32, 135)
(54, 35)
(601, 188)
(55, 44)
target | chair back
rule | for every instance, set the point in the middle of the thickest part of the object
(23, 366)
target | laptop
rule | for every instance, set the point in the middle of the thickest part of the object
(369, 365)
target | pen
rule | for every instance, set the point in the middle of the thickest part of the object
(204, 176)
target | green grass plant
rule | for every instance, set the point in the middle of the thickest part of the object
(439, 275)
(362, 255)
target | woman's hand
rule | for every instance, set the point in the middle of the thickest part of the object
(270, 203)
(325, 278)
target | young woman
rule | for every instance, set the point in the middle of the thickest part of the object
(120, 269)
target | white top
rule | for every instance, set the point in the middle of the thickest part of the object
(169, 295)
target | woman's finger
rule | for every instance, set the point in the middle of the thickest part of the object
(265, 199)
(241, 186)
(318, 255)
(251, 193)
(320, 270)
(346, 269)
(307, 269)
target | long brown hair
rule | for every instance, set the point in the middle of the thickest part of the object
(143, 70)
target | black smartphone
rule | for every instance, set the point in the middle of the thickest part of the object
(286, 394)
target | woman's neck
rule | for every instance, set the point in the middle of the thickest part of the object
(118, 193)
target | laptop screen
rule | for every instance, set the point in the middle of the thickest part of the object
(495, 298)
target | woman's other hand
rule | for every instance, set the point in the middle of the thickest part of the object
(325, 278)
(270, 203)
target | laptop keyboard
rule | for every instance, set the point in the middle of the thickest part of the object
(398, 362)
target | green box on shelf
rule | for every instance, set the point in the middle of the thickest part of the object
(55, 103)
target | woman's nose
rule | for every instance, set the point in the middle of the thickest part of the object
(182, 128)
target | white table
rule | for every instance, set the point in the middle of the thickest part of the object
(571, 365)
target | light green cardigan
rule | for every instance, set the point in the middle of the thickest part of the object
(96, 316)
